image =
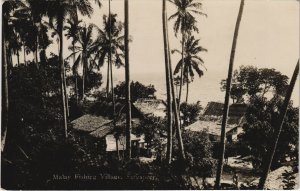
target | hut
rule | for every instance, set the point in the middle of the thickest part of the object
(155, 107)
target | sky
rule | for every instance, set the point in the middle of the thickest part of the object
(268, 37)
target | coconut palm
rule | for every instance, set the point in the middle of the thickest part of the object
(59, 10)
(193, 62)
(111, 45)
(185, 23)
(73, 29)
(227, 96)
(168, 84)
(271, 152)
(84, 52)
(127, 80)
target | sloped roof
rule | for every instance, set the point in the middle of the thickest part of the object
(214, 108)
(154, 107)
(102, 131)
(89, 123)
(212, 127)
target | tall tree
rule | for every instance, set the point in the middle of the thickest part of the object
(192, 61)
(59, 9)
(73, 29)
(168, 84)
(271, 151)
(127, 80)
(227, 96)
(111, 45)
(185, 23)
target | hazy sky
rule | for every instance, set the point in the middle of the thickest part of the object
(268, 37)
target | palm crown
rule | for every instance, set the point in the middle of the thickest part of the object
(185, 21)
(192, 60)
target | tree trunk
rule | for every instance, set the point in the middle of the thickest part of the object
(227, 96)
(4, 90)
(83, 75)
(175, 109)
(278, 127)
(18, 57)
(127, 79)
(65, 91)
(187, 86)
(107, 81)
(62, 69)
(24, 54)
(76, 76)
(181, 70)
(168, 85)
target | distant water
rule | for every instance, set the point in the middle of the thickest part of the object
(204, 89)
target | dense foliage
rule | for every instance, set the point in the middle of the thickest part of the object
(190, 112)
(138, 90)
(261, 118)
(251, 81)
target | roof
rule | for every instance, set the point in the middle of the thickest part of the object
(102, 131)
(111, 141)
(154, 107)
(212, 127)
(89, 123)
(216, 109)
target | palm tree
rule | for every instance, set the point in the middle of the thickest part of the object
(271, 152)
(185, 23)
(111, 45)
(227, 96)
(127, 80)
(192, 61)
(84, 51)
(59, 9)
(73, 29)
(168, 84)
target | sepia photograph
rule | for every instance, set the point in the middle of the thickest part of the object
(150, 94)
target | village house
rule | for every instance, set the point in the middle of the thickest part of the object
(211, 121)
(99, 129)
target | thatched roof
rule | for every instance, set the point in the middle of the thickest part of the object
(102, 131)
(154, 107)
(212, 127)
(89, 123)
(214, 109)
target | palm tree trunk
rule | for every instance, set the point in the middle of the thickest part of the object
(181, 70)
(18, 57)
(127, 79)
(278, 127)
(76, 81)
(24, 54)
(187, 86)
(83, 76)
(62, 69)
(5, 90)
(175, 108)
(227, 96)
(168, 85)
(107, 81)
(66, 94)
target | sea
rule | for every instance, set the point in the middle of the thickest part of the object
(204, 89)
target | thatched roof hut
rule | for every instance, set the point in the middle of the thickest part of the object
(89, 123)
